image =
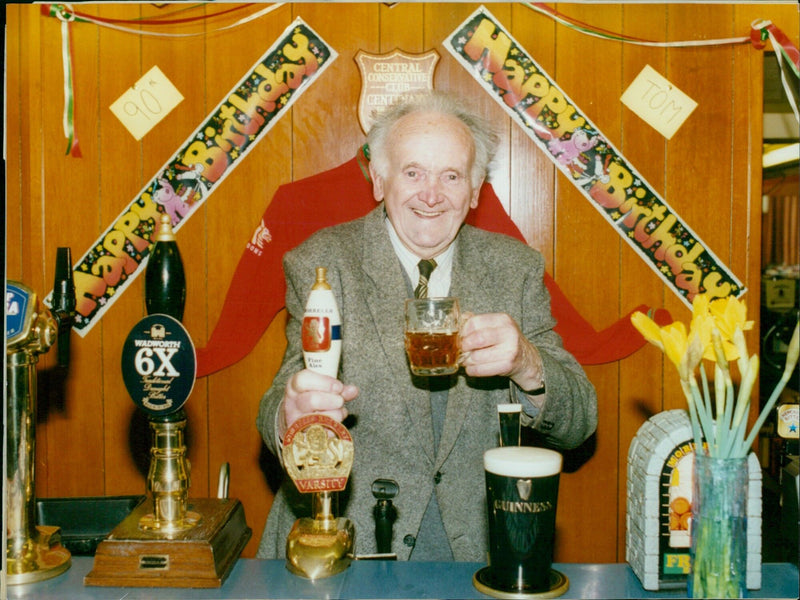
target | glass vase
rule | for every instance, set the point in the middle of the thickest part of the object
(719, 528)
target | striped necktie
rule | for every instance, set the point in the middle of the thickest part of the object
(426, 267)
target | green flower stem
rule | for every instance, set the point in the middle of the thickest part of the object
(742, 450)
(792, 355)
(704, 415)
(745, 388)
(698, 438)
(724, 444)
(720, 390)
(706, 393)
(736, 439)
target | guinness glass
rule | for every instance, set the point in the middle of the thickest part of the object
(521, 494)
(508, 417)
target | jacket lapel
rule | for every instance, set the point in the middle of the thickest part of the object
(469, 271)
(385, 291)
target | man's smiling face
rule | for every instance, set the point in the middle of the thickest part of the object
(427, 189)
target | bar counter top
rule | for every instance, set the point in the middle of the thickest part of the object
(254, 579)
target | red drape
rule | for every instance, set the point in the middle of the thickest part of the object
(298, 209)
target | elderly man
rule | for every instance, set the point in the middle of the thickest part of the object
(429, 157)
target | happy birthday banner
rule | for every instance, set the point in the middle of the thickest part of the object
(589, 160)
(192, 174)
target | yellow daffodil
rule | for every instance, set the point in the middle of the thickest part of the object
(671, 339)
(729, 315)
(692, 358)
(675, 341)
(716, 333)
(648, 328)
(702, 326)
(726, 315)
(700, 306)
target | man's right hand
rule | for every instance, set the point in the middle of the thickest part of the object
(309, 392)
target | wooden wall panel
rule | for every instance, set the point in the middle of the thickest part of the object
(747, 147)
(587, 258)
(531, 173)
(69, 409)
(12, 253)
(640, 396)
(231, 216)
(119, 177)
(23, 246)
(399, 28)
(325, 123)
(122, 175)
(91, 440)
(692, 197)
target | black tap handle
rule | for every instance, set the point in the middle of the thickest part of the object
(384, 512)
(64, 302)
(384, 489)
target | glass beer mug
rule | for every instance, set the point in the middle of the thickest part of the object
(432, 335)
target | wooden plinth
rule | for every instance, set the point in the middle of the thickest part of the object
(201, 557)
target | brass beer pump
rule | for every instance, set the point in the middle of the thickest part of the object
(169, 540)
(168, 475)
(33, 552)
(168, 478)
(318, 451)
(318, 456)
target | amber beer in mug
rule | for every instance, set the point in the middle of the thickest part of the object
(432, 335)
(521, 494)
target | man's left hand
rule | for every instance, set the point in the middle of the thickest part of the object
(492, 344)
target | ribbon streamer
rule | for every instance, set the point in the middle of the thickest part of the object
(619, 37)
(108, 23)
(785, 53)
(760, 31)
(163, 20)
(65, 16)
(191, 175)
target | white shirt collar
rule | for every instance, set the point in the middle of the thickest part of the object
(439, 281)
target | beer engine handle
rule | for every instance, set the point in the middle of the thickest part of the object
(63, 302)
(384, 512)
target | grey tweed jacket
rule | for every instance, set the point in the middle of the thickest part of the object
(390, 420)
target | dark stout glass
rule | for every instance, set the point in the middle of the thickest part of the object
(521, 495)
(508, 417)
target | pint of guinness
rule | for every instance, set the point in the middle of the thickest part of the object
(521, 494)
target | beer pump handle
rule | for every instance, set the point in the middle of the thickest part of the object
(384, 512)
(165, 278)
(63, 302)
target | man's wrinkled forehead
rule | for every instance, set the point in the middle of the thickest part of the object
(413, 137)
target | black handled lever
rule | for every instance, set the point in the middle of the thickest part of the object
(63, 302)
(384, 512)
